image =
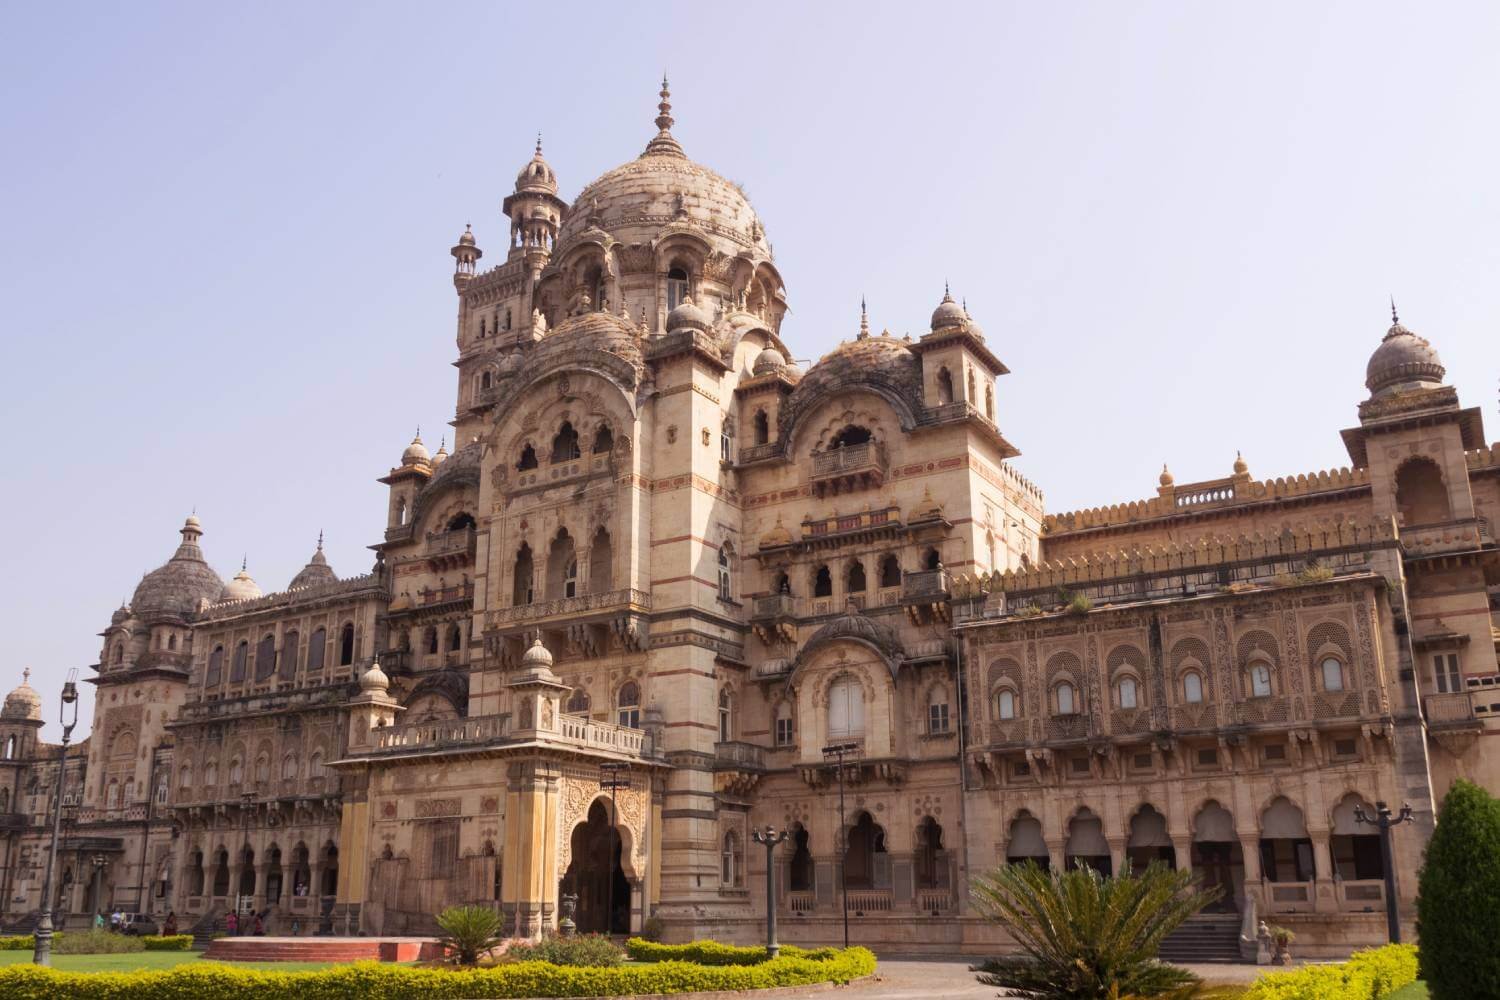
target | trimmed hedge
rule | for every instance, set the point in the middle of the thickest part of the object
(150, 942)
(1373, 974)
(378, 981)
(717, 954)
(167, 942)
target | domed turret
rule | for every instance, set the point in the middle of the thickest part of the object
(537, 657)
(177, 587)
(121, 614)
(1165, 478)
(534, 208)
(442, 453)
(316, 571)
(416, 452)
(241, 588)
(689, 316)
(536, 177)
(768, 361)
(24, 703)
(1241, 467)
(1402, 361)
(948, 314)
(374, 680)
(466, 254)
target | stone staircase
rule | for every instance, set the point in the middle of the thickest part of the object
(1207, 937)
(204, 930)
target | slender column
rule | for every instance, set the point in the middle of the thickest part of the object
(1183, 847)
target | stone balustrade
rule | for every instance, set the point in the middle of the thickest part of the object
(567, 606)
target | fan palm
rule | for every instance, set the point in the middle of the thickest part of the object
(468, 932)
(1086, 936)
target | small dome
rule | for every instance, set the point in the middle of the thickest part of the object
(511, 363)
(1403, 360)
(688, 315)
(442, 453)
(1166, 477)
(316, 571)
(177, 586)
(416, 452)
(927, 509)
(777, 536)
(467, 239)
(948, 314)
(23, 702)
(537, 657)
(768, 361)
(536, 177)
(122, 613)
(374, 680)
(1241, 467)
(241, 588)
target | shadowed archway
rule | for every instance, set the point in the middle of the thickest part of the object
(596, 862)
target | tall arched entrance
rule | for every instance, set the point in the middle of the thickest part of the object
(596, 864)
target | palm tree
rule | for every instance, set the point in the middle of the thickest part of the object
(1086, 936)
(468, 932)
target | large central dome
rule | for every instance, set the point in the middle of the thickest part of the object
(635, 201)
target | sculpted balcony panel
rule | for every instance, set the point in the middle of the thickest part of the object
(566, 606)
(1449, 709)
(852, 467)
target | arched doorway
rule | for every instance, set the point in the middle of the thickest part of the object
(1217, 858)
(865, 863)
(1149, 840)
(1025, 842)
(221, 873)
(1086, 844)
(247, 872)
(273, 875)
(597, 877)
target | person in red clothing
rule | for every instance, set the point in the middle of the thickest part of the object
(232, 924)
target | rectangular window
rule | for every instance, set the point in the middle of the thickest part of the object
(1208, 757)
(1020, 769)
(1274, 752)
(1345, 748)
(784, 732)
(1080, 765)
(1143, 762)
(1445, 673)
(937, 718)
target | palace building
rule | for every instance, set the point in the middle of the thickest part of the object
(609, 636)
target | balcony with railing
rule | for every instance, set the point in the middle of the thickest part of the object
(851, 467)
(1450, 711)
(450, 549)
(1458, 535)
(738, 766)
(774, 617)
(501, 731)
(566, 607)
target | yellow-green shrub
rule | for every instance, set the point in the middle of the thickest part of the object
(377, 981)
(716, 953)
(1373, 974)
(167, 942)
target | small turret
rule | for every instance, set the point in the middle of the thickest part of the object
(466, 254)
(534, 208)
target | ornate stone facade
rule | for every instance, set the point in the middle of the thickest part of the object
(663, 568)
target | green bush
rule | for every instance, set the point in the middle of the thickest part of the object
(467, 932)
(168, 942)
(378, 981)
(1458, 897)
(1373, 974)
(96, 942)
(1086, 936)
(716, 953)
(593, 950)
(21, 942)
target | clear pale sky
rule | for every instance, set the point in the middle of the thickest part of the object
(225, 281)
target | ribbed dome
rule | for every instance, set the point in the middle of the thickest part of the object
(24, 703)
(948, 314)
(577, 336)
(467, 238)
(536, 177)
(768, 361)
(178, 586)
(882, 363)
(441, 455)
(1403, 360)
(416, 453)
(537, 657)
(241, 588)
(374, 680)
(688, 315)
(316, 571)
(121, 614)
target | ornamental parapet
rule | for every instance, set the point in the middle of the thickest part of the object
(588, 626)
(500, 733)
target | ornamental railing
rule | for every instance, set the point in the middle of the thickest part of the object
(570, 606)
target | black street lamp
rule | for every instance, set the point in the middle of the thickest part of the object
(98, 861)
(1384, 821)
(770, 838)
(836, 752)
(615, 776)
(42, 955)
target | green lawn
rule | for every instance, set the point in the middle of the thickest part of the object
(130, 961)
(1411, 991)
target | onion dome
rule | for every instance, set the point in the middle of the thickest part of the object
(241, 588)
(536, 177)
(23, 703)
(467, 239)
(1402, 361)
(777, 536)
(768, 361)
(316, 571)
(1241, 467)
(1166, 477)
(442, 453)
(374, 680)
(122, 614)
(927, 509)
(948, 314)
(537, 657)
(687, 315)
(416, 452)
(177, 587)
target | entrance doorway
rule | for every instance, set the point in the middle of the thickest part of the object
(597, 877)
(1217, 858)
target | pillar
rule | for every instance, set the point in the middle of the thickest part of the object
(529, 860)
(1182, 845)
(1322, 871)
(1116, 854)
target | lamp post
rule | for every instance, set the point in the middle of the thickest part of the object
(247, 800)
(836, 752)
(1383, 820)
(770, 838)
(42, 955)
(614, 776)
(98, 862)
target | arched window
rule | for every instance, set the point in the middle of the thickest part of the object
(289, 642)
(315, 768)
(822, 582)
(937, 710)
(854, 583)
(317, 649)
(601, 563)
(119, 653)
(1005, 704)
(726, 440)
(401, 511)
(346, 645)
(237, 666)
(851, 435)
(931, 859)
(578, 702)
(289, 767)
(944, 386)
(783, 584)
(862, 868)
(786, 730)
(800, 868)
(1067, 699)
(726, 717)
(726, 578)
(211, 775)
(1333, 674)
(1192, 687)
(565, 444)
(521, 592)
(455, 639)
(677, 287)
(732, 864)
(931, 560)
(263, 767)
(628, 703)
(172, 641)
(890, 571)
(461, 521)
(215, 668)
(265, 657)
(762, 425)
(185, 778)
(527, 459)
(10, 748)
(112, 795)
(484, 377)
(1421, 496)
(973, 399)
(562, 567)
(1126, 690)
(604, 440)
(846, 708)
(1260, 680)
(236, 771)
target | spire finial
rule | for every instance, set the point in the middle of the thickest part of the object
(864, 319)
(320, 539)
(538, 143)
(947, 295)
(1395, 320)
(418, 436)
(244, 562)
(664, 119)
(26, 676)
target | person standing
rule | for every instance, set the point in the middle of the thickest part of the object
(98, 920)
(232, 923)
(169, 926)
